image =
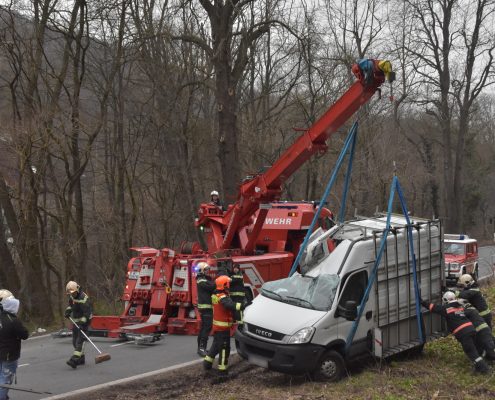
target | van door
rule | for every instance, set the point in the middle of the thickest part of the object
(353, 288)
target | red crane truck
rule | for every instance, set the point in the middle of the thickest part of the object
(258, 231)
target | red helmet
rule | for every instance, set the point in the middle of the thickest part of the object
(223, 282)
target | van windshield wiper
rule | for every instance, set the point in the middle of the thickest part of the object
(269, 291)
(301, 300)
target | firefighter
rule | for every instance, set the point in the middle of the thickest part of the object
(484, 339)
(471, 292)
(12, 331)
(215, 200)
(79, 310)
(206, 287)
(460, 326)
(237, 292)
(223, 307)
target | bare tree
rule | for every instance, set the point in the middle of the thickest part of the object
(453, 50)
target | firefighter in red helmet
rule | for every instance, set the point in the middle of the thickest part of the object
(223, 319)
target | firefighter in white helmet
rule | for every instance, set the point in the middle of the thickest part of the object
(460, 326)
(471, 292)
(205, 287)
(215, 200)
(79, 310)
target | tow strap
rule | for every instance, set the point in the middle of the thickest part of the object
(350, 143)
(419, 316)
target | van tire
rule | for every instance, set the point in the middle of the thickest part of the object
(331, 367)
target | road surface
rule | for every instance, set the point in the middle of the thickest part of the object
(42, 364)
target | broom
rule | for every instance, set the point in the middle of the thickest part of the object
(100, 357)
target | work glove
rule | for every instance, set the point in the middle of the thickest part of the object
(68, 311)
(425, 304)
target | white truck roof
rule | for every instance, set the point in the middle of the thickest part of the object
(457, 238)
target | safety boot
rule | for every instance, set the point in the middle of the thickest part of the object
(81, 360)
(202, 347)
(72, 362)
(481, 367)
(207, 365)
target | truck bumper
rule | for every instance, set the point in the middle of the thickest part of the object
(289, 359)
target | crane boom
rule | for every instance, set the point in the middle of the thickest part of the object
(267, 186)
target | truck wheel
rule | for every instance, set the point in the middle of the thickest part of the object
(331, 367)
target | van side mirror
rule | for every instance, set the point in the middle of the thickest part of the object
(350, 311)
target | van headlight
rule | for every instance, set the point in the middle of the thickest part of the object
(302, 336)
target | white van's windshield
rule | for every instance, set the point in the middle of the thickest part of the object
(316, 293)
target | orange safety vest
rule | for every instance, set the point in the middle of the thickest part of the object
(222, 317)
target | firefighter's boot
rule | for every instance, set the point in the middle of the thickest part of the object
(481, 367)
(202, 348)
(207, 363)
(72, 362)
(81, 360)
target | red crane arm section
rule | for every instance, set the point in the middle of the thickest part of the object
(267, 187)
(314, 139)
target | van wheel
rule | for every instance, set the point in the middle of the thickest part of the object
(331, 367)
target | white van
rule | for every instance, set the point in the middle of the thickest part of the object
(301, 324)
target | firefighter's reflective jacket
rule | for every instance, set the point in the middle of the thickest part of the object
(474, 316)
(223, 308)
(454, 314)
(206, 287)
(79, 307)
(474, 296)
(237, 285)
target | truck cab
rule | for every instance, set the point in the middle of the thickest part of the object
(302, 324)
(461, 257)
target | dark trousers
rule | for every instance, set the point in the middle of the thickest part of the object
(467, 342)
(484, 342)
(205, 328)
(78, 340)
(220, 346)
(488, 319)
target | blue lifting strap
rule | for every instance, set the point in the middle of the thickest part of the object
(350, 142)
(395, 186)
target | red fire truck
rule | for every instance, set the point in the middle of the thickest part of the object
(461, 257)
(259, 231)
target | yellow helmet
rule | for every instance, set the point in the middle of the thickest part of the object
(5, 294)
(72, 287)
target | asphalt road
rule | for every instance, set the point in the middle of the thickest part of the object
(42, 365)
